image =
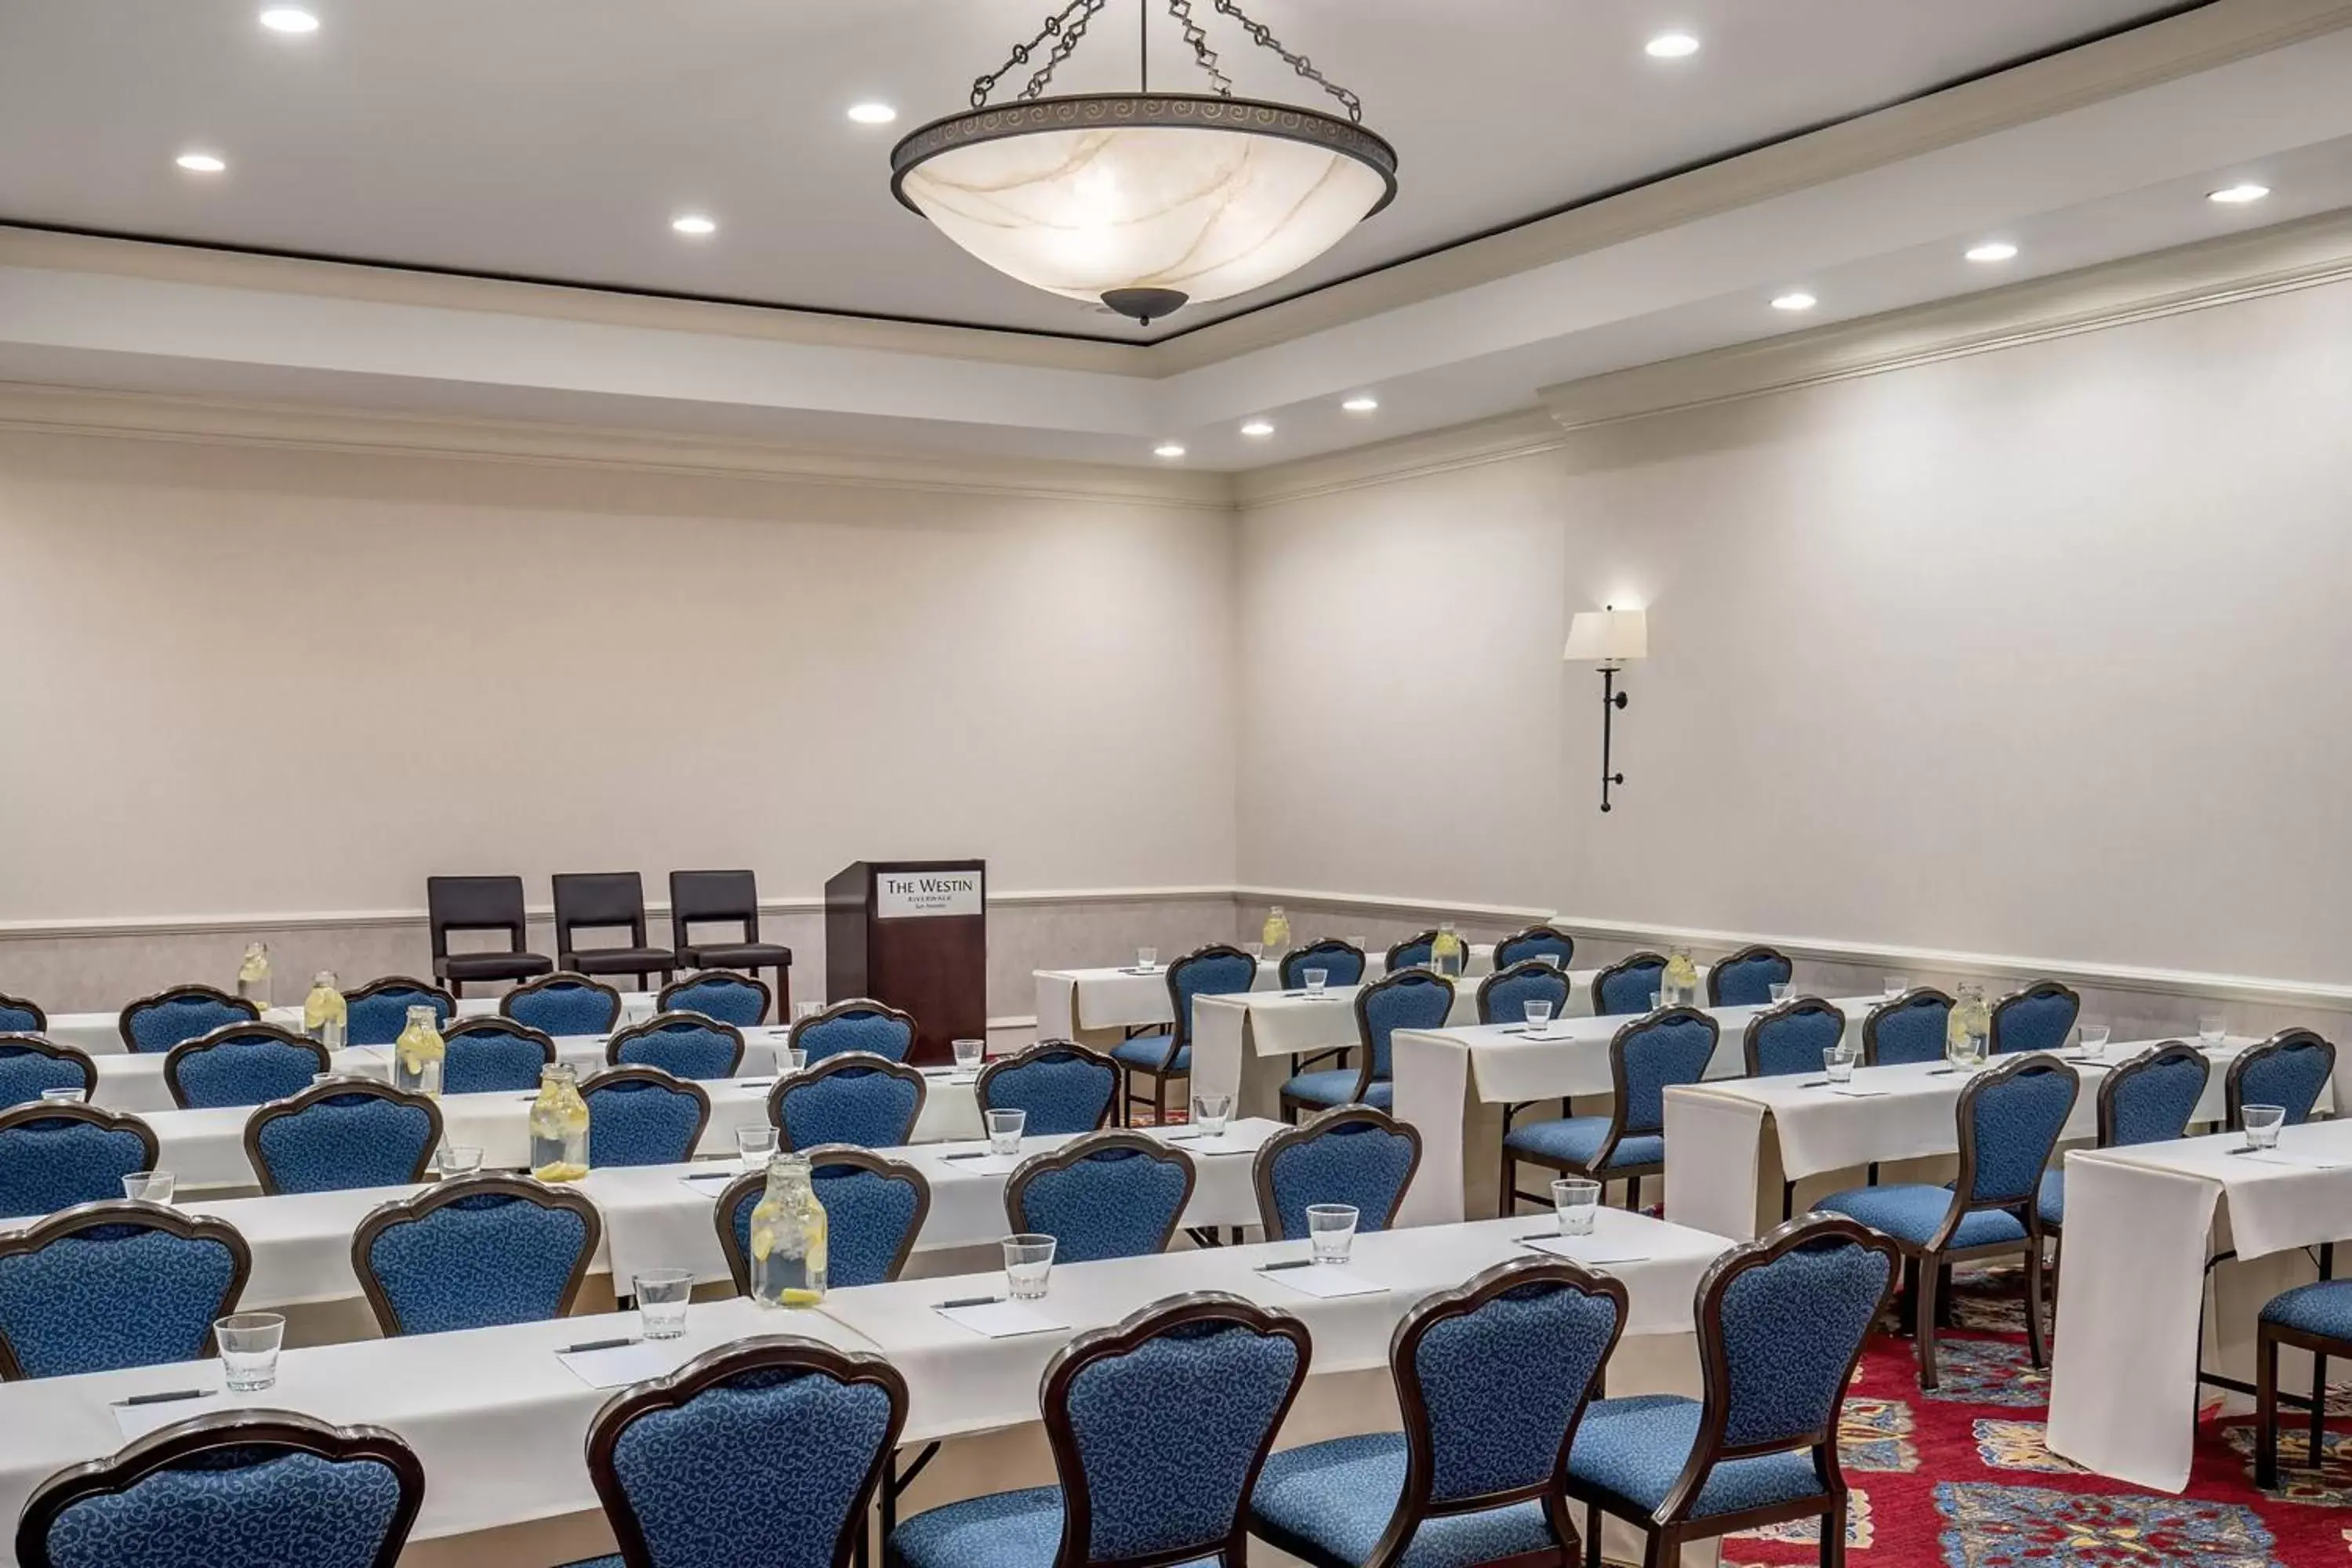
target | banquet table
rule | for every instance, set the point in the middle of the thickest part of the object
(1098, 1006)
(2139, 1312)
(499, 1422)
(1242, 1045)
(101, 1034)
(661, 1216)
(1729, 1137)
(1452, 1084)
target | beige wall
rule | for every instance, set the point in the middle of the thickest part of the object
(2039, 653)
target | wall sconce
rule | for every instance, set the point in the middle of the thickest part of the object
(1610, 638)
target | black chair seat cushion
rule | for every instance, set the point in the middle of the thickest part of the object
(619, 960)
(493, 966)
(738, 955)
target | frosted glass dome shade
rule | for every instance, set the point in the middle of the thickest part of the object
(1207, 196)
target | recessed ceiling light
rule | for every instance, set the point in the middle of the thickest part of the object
(200, 163)
(1259, 428)
(694, 223)
(1363, 405)
(872, 113)
(1672, 47)
(289, 19)
(1168, 449)
(1998, 251)
(1797, 302)
(2239, 195)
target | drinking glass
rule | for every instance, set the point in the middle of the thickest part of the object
(1147, 959)
(2263, 1123)
(2094, 1039)
(754, 1144)
(68, 1095)
(806, 1010)
(151, 1186)
(1893, 985)
(1211, 1112)
(1255, 949)
(1028, 1266)
(1331, 1227)
(968, 1055)
(249, 1343)
(1004, 1130)
(2211, 1030)
(1315, 980)
(1656, 998)
(795, 1058)
(662, 1295)
(1577, 1202)
(1539, 1014)
(1550, 961)
(1837, 1064)
(1779, 992)
(459, 1160)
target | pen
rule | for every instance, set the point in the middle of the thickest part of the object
(1814, 1083)
(975, 1154)
(971, 1301)
(598, 1345)
(1294, 1263)
(165, 1397)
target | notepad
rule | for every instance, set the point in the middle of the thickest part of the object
(1328, 1280)
(621, 1365)
(1542, 1036)
(983, 1164)
(138, 1420)
(1003, 1319)
(1589, 1250)
(1855, 1092)
(1202, 1143)
(2295, 1158)
(709, 1180)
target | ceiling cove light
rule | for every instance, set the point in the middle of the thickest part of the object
(1168, 449)
(695, 224)
(200, 163)
(1144, 200)
(1800, 301)
(1994, 251)
(2239, 195)
(872, 113)
(1672, 47)
(1363, 404)
(289, 19)
(1258, 429)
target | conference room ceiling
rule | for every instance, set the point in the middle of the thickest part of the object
(557, 140)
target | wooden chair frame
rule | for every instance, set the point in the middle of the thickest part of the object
(854, 1005)
(1270, 1214)
(1625, 966)
(367, 1088)
(404, 1211)
(662, 1003)
(42, 1046)
(202, 1043)
(1748, 954)
(561, 979)
(644, 1072)
(27, 1004)
(73, 1221)
(659, 1023)
(176, 994)
(2233, 1094)
(2040, 990)
(1078, 1150)
(842, 1062)
(1535, 932)
(1040, 1051)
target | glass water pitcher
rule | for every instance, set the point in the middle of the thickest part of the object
(325, 1017)
(416, 1056)
(559, 1126)
(1969, 1035)
(788, 1238)
(1445, 951)
(253, 973)
(1275, 934)
(1678, 986)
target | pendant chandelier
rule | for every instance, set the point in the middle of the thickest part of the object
(1145, 201)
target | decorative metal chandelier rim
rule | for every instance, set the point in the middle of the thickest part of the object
(1166, 111)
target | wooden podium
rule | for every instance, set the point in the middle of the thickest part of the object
(913, 933)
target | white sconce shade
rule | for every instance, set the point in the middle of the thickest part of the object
(1607, 637)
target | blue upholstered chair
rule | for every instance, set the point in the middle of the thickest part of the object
(1108, 1194)
(376, 1012)
(1627, 985)
(1782, 1322)
(55, 1156)
(766, 1451)
(563, 1004)
(876, 1029)
(1353, 1155)
(737, 999)
(1062, 1086)
(1416, 951)
(1342, 964)
(1646, 1057)
(873, 1210)
(487, 1055)
(2288, 1070)
(266, 1488)
(2038, 1018)
(684, 1045)
(475, 1252)
(1746, 978)
(21, 1015)
(2316, 1317)
(1909, 1028)
(869, 1103)
(345, 1134)
(242, 1064)
(108, 1285)
(1492, 1379)
(2009, 1118)
(2147, 1100)
(1791, 1038)
(1537, 945)
(643, 1115)
(1413, 999)
(1159, 1428)
(1504, 995)
(157, 1022)
(30, 1064)
(1216, 970)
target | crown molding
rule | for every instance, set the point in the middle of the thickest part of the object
(2306, 254)
(73, 411)
(1445, 451)
(2177, 47)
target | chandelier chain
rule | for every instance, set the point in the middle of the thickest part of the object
(1263, 36)
(1182, 11)
(1066, 26)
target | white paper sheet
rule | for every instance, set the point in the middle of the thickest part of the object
(983, 1164)
(1003, 1319)
(621, 1365)
(1589, 1250)
(1327, 1280)
(138, 1420)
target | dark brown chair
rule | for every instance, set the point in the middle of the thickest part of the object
(729, 898)
(606, 901)
(479, 903)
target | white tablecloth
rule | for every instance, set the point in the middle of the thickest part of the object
(2140, 1224)
(1439, 1072)
(499, 1422)
(1714, 1178)
(1232, 1036)
(1100, 1005)
(101, 1034)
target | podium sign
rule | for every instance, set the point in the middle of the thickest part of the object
(913, 933)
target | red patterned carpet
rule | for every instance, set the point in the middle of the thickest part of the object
(1960, 1478)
